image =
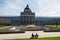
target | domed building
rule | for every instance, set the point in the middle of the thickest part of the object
(27, 16)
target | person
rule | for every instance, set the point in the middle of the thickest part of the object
(32, 35)
(36, 36)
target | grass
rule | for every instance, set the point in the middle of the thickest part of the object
(4, 27)
(49, 38)
(53, 26)
(1, 26)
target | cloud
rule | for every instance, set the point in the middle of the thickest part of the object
(46, 8)
(49, 8)
(14, 7)
(10, 7)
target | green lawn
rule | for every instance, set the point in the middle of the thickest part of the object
(49, 38)
(52, 26)
(4, 26)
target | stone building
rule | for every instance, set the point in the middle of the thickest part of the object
(27, 16)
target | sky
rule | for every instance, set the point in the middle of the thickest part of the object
(42, 8)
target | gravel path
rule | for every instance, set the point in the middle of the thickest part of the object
(27, 34)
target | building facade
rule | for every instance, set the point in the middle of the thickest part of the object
(27, 16)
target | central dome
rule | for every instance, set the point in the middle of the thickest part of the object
(27, 9)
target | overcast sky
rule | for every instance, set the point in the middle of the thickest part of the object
(44, 8)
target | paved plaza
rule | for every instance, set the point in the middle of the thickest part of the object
(27, 34)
